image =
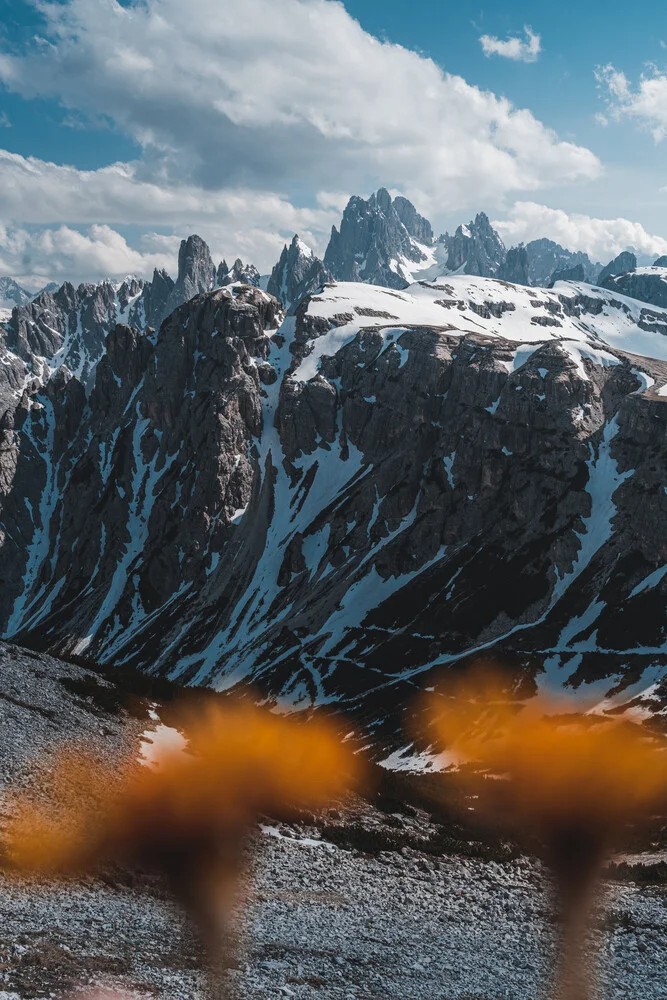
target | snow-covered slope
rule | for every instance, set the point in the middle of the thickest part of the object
(464, 304)
(339, 506)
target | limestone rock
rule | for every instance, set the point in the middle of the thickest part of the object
(625, 262)
(545, 258)
(373, 241)
(476, 248)
(247, 274)
(297, 273)
(515, 267)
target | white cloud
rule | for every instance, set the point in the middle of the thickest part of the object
(4, 120)
(601, 239)
(249, 223)
(520, 49)
(63, 253)
(293, 94)
(645, 104)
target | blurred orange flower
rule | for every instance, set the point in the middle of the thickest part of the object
(560, 768)
(572, 780)
(188, 815)
(240, 762)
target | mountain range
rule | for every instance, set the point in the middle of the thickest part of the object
(395, 459)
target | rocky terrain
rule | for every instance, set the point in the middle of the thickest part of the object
(649, 284)
(546, 259)
(298, 273)
(364, 900)
(12, 294)
(337, 491)
(337, 505)
(381, 241)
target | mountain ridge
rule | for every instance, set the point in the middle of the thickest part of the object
(337, 501)
(252, 499)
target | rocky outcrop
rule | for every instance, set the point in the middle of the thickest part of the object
(246, 274)
(188, 400)
(476, 248)
(660, 261)
(297, 273)
(196, 272)
(515, 267)
(575, 273)
(69, 327)
(336, 508)
(155, 300)
(373, 244)
(648, 284)
(12, 294)
(545, 258)
(625, 262)
(417, 226)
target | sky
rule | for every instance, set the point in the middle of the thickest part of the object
(125, 126)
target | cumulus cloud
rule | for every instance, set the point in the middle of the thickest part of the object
(292, 95)
(645, 103)
(525, 49)
(250, 223)
(601, 239)
(64, 253)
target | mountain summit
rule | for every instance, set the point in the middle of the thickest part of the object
(378, 241)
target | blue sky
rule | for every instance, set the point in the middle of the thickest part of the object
(125, 127)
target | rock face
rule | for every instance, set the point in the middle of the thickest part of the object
(374, 244)
(12, 294)
(196, 272)
(124, 449)
(648, 284)
(156, 297)
(69, 327)
(625, 262)
(476, 248)
(515, 267)
(247, 274)
(417, 226)
(575, 273)
(546, 257)
(297, 273)
(660, 262)
(337, 508)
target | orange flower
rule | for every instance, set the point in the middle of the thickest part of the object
(572, 780)
(189, 815)
(560, 768)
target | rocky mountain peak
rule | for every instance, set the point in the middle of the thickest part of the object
(297, 273)
(515, 267)
(660, 261)
(545, 258)
(12, 294)
(247, 274)
(374, 244)
(381, 199)
(476, 248)
(417, 226)
(157, 295)
(626, 261)
(647, 284)
(196, 272)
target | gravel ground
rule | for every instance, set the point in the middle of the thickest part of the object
(322, 922)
